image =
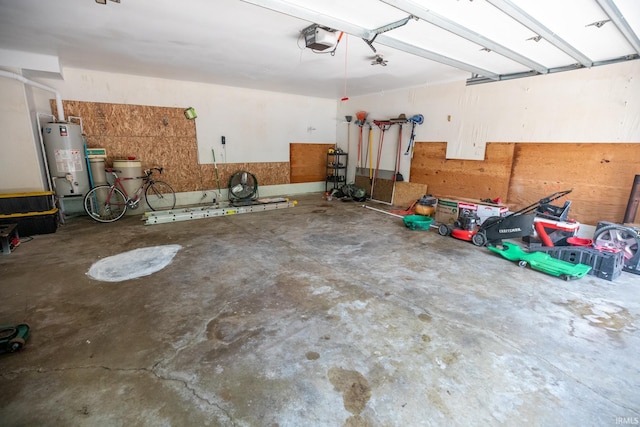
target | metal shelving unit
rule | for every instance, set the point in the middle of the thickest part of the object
(336, 170)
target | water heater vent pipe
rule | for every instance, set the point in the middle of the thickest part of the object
(40, 86)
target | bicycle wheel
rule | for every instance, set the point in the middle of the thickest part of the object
(104, 204)
(160, 196)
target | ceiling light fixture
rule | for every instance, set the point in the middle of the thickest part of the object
(379, 60)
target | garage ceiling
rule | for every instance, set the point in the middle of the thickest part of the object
(259, 44)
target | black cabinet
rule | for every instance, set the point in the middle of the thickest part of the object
(336, 170)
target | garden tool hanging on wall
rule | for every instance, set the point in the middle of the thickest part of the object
(400, 121)
(361, 116)
(384, 126)
(418, 119)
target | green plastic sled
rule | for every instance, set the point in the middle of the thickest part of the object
(542, 262)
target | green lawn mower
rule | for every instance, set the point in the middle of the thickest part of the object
(13, 338)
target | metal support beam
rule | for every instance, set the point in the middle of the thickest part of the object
(409, 48)
(175, 215)
(528, 21)
(479, 80)
(620, 22)
(454, 28)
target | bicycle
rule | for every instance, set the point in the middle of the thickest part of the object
(109, 203)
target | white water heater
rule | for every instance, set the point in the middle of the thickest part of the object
(65, 152)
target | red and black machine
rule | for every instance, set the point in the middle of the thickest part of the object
(494, 229)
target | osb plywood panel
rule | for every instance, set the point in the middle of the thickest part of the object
(363, 182)
(601, 176)
(126, 120)
(406, 193)
(308, 162)
(161, 136)
(382, 190)
(478, 179)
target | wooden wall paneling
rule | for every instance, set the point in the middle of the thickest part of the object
(601, 176)
(477, 179)
(308, 162)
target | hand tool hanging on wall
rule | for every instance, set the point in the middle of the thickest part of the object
(384, 125)
(365, 150)
(215, 165)
(360, 116)
(369, 152)
(359, 161)
(400, 121)
(398, 176)
(418, 119)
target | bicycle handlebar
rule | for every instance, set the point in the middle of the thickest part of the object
(149, 171)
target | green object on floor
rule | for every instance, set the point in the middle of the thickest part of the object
(542, 262)
(417, 222)
(13, 337)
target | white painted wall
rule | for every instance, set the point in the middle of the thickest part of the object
(19, 167)
(258, 125)
(600, 104)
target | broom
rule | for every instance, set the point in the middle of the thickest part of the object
(215, 165)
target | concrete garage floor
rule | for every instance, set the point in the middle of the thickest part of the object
(326, 314)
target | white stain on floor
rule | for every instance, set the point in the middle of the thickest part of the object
(133, 264)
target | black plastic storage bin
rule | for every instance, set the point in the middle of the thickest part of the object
(31, 223)
(13, 203)
(605, 265)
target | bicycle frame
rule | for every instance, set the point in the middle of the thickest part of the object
(117, 183)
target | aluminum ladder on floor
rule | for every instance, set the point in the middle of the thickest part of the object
(186, 214)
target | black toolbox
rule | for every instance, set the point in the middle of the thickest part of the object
(604, 264)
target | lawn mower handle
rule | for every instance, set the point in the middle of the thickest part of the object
(543, 201)
(554, 196)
